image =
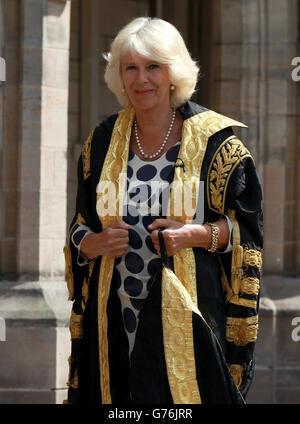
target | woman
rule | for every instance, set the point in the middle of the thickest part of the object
(139, 334)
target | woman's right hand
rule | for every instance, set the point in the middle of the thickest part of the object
(111, 242)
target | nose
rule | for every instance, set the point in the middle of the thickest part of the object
(142, 76)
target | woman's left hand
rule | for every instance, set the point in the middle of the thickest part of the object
(177, 235)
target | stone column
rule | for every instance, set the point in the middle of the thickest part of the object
(43, 138)
(254, 84)
(36, 313)
(2, 71)
(2, 79)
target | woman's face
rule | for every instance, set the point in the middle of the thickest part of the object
(146, 82)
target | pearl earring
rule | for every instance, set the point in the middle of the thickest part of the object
(172, 87)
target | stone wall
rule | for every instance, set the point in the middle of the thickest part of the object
(74, 117)
(253, 83)
(33, 154)
(9, 140)
(33, 182)
(254, 43)
(2, 74)
(277, 373)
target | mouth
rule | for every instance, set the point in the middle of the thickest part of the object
(143, 92)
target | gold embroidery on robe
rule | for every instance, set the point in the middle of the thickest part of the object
(225, 160)
(115, 164)
(236, 371)
(252, 258)
(177, 308)
(237, 255)
(69, 277)
(250, 285)
(76, 325)
(241, 331)
(240, 283)
(72, 380)
(85, 286)
(195, 134)
(86, 156)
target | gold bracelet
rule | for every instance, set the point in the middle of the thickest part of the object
(214, 237)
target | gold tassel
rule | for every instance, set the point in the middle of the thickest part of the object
(237, 374)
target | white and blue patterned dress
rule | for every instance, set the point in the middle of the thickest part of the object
(136, 269)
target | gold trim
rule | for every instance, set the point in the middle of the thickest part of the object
(237, 254)
(195, 134)
(72, 381)
(225, 160)
(241, 284)
(76, 325)
(115, 164)
(85, 286)
(86, 156)
(250, 285)
(241, 331)
(85, 292)
(252, 258)
(69, 277)
(177, 309)
(241, 301)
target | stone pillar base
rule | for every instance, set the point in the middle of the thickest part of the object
(34, 354)
(277, 371)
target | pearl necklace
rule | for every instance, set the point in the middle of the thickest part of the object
(163, 143)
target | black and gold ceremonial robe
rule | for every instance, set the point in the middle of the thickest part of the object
(196, 333)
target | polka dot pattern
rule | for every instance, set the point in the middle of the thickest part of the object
(133, 286)
(147, 220)
(134, 262)
(77, 236)
(135, 240)
(146, 173)
(172, 153)
(154, 266)
(129, 172)
(136, 269)
(137, 303)
(167, 173)
(129, 320)
(150, 245)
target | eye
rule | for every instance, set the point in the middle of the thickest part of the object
(153, 66)
(130, 67)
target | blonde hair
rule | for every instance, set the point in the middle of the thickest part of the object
(157, 40)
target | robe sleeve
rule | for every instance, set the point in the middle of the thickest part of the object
(242, 270)
(78, 275)
(75, 273)
(234, 190)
